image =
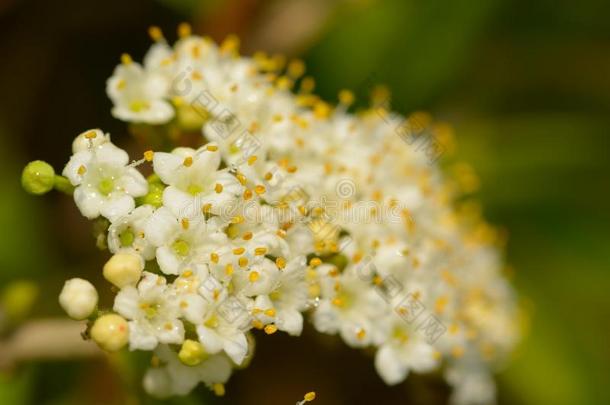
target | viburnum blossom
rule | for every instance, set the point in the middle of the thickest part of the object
(283, 207)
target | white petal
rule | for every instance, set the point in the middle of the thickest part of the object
(134, 183)
(168, 261)
(166, 166)
(162, 227)
(171, 331)
(126, 302)
(111, 155)
(88, 201)
(72, 168)
(236, 347)
(157, 382)
(388, 366)
(290, 321)
(216, 369)
(180, 203)
(140, 337)
(210, 340)
(117, 206)
(195, 308)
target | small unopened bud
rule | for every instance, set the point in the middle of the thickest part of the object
(192, 353)
(38, 177)
(124, 269)
(110, 332)
(78, 298)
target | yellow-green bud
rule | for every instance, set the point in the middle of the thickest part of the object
(78, 298)
(124, 269)
(110, 332)
(192, 353)
(38, 177)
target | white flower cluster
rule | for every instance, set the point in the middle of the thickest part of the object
(234, 235)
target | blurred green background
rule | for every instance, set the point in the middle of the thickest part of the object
(526, 86)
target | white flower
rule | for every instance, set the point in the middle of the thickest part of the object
(174, 378)
(286, 299)
(181, 241)
(128, 233)
(195, 183)
(405, 350)
(78, 298)
(349, 306)
(152, 312)
(223, 326)
(139, 93)
(105, 185)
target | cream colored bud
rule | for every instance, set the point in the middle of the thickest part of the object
(124, 269)
(192, 353)
(110, 332)
(78, 298)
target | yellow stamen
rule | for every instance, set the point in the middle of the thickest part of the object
(296, 68)
(184, 30)
(229, 269)
(219, 389)
(243, 261)
(239, 250)
(214, 257)
(346, 97)
(270, 312)
(148, 155)
(185, 223)
(126, 59)
(260, 251)
(270, 329)
(212, 148)
(155, 33)
(280, 262)
(260, 189)
(254, 276)
(238, 219)
(188, 161)
(218, 188)
(310, 396)
(314, 262)
(251, 160)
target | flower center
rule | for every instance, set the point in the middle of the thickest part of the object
(181, 247)
(194, 189)
(151, 309)
(126, 237)
(139, 105)
(106, 186)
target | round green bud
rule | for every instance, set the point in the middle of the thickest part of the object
(38, 177)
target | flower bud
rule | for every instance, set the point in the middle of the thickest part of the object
(110, 332)
(38, 177)
(124, 269)
(78, 298)
(192, 353)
